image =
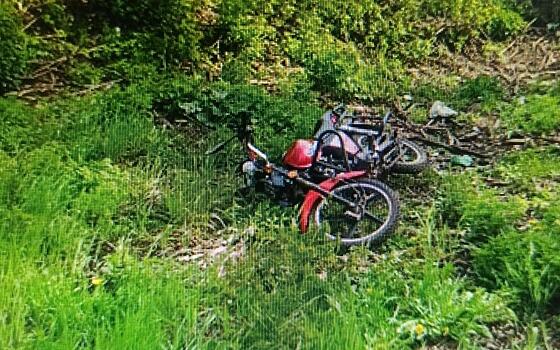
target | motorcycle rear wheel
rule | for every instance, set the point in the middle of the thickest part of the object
(371, 221)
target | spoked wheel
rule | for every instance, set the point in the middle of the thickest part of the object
(373, 216)
(413, 159)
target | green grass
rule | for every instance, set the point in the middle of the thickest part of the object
(54, 228)
(531, 169)
(92, 193)
(540, 114)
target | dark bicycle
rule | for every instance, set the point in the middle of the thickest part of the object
(351, 142)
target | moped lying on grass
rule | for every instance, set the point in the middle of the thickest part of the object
(344, 204)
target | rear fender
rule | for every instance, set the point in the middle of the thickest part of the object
(312, 197)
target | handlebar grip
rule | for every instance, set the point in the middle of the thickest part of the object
(258, 152)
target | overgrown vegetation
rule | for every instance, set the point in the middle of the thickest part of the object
(350, 49)
(116, 231)
(13, 55)
(538, 115)
(84, 217)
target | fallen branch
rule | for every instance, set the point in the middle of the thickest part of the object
(450, 148)
(555, 140)
(102, 86)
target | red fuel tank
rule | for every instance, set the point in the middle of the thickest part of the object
(300, 154)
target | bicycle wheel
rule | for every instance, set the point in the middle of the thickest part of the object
(372, 218)
(413, 159)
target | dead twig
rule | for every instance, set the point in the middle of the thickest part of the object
(102, 86)
(508, 47)
(450, 148)
(555, 140)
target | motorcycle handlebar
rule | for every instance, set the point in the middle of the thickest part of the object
(339, 110)
(258, 152)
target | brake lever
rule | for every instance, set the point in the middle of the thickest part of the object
(339, 110)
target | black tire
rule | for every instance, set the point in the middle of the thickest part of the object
(341, 223)
(413, 158)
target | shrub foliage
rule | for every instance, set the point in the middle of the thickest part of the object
(352, 49)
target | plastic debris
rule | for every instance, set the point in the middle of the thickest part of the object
(439, 109)
(464, 160)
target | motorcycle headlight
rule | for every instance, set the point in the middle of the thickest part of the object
(249, 169)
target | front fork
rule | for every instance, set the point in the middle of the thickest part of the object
(317, 192)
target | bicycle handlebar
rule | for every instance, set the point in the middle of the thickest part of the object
(358, 131)
(387, 116)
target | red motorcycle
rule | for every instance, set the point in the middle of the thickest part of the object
(345, 205)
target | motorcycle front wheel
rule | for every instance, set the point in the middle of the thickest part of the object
(412, 160)
(372, 218)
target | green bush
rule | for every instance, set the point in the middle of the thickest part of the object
(120, 127)
(168, 30)
(524, 263)
(338, 69)
(454, 193)
(374, 39)
(8, 180)
(551, 216)
(471, 18)
(332, 67)
(277, 120)
(485, 214)
(444, 308)
(483, 89)
(547, 10)
(505, 23)
(23, 127)
(84, 73)
(404, 30)
(13, 48)
(236, 71)
(297, 86)
(50, 16)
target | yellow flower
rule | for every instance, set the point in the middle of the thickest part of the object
(96, 281)
(532, 221)
(419, 329)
